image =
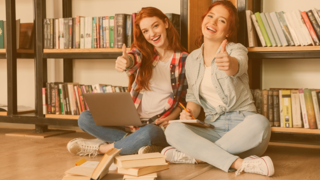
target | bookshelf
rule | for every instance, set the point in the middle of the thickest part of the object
(257, 54)
(190, 13)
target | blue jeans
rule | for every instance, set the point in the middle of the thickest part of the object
(236, 134)
(144, 136)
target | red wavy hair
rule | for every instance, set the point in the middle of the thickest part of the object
(147, 49)
(233, 21)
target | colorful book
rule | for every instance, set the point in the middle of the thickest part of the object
(310, 109)
(265, 103)
(82, 32)
(268, 29)
(111, 18)
(278, 28)
(296, 110)
(258, 30)
(276, 112)
(120, 29)
(310, 28)
(270, 107)
(263, 29)
(316, 107)
(252, 36)
(273, 29)
(314, 23)
(285, 28)
(286, 106)
(88, 32)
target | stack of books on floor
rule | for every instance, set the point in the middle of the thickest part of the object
(142, 166)
(133, 167)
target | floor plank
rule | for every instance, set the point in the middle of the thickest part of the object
(31, 158)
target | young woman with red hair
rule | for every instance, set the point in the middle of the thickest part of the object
(156, 69)
(218, 82)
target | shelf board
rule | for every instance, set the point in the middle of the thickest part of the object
(292, 52)
(296, 145)
(3, 50)
(61, 116)
(102, 53)
(100, 50)
(295, 130)
(279, 49)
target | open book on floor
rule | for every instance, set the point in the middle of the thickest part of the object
(194, 122)
(92, 170)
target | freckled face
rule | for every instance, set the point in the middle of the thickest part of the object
(215, 24)
(154, 31)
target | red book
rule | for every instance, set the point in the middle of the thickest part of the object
(133, 25)
(310, 28)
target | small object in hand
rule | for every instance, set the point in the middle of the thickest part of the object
(186, 110)
(81, 161)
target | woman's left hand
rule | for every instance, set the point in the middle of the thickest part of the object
(162, 122)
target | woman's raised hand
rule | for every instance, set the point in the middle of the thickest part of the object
(122, 61)
(222, 58)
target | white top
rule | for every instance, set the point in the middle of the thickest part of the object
(208, 91)
(154, 101)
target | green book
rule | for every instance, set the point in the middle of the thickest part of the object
(111, 31)
(1, 35)
(94, 36)
(263, 29)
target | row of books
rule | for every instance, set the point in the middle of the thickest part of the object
(274, 29)
(133, 167)
(24, 35)
(289, 107)
(67, 98)
(93, 32)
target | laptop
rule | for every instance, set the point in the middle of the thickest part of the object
(112, 109)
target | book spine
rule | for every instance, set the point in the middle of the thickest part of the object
(84, 91)
(295, 22)
(88, 32)
(77, 35)
(310, 109)
(48, 98)
(53, 99)
(310, 28)
(273, 29)
(129, 30)
(66, 33)
(121, 29)
(1, 35)
(51, 33)
(252, 41)
(74, 34)
(304, 29)
(94, 36)
(270, 108)
(265, 103)
(56, 91)
(316, 107)
(61, 33)
(72, 100)
(107, 32)
(133, 25)
(66, 95)
(268, 30)
(45, 24)
(83, 107)
(98, 31)
(277, 26)
(296, 113)
(70, 30)
(44, 103)
(258, 30)
(104, 22)
(276, 112)
(281, 108)
(62, 109)
(291, 30)
(286, 103)
(303, 109)
(101, 31)
(112, 45)
(314, 23)
(82, 32)
(56, 34)
(285, 28)
(263, 29)
(78, 105)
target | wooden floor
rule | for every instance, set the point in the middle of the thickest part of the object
(29, 159)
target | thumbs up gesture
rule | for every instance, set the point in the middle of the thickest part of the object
(122, 62)
(222, 58)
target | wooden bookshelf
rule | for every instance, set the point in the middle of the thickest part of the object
(279, 49)
(295, 130)
(100, 50)
(61, 116)
(3, 50)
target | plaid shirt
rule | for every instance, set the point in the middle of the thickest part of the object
(178, 81)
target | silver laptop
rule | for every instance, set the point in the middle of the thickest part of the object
(112, 109)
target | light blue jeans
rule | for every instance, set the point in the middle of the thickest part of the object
(236, 134)
(144, 136)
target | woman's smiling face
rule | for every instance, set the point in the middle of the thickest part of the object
(215, 24)
(154, 31)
